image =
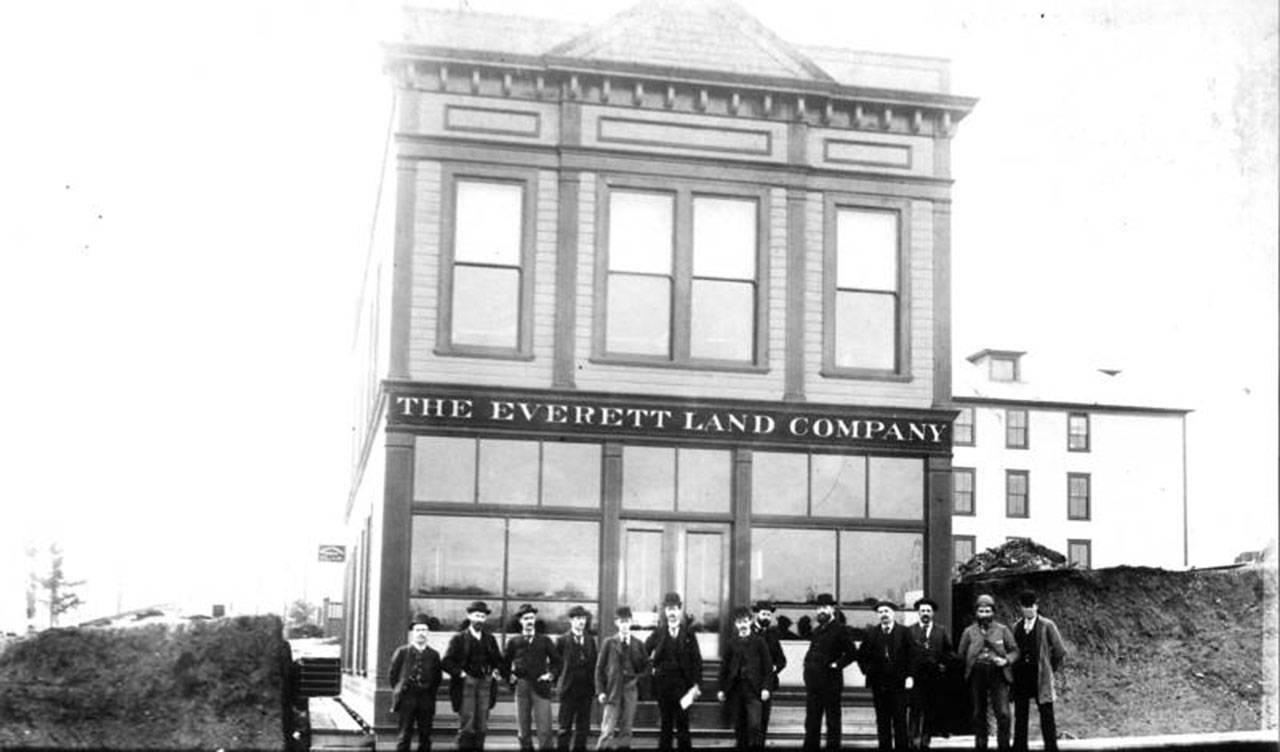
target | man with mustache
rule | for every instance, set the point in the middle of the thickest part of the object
(763, 626)
(885, 658)
(932, 643)
(745, 670)
(989, 649)
(831, 649)
(677, 671)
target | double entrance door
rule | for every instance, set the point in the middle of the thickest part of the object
(689, 558)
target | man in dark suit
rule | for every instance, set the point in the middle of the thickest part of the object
(576, 686)
(745, 671)
(885, 659)
(932, 651)
(415, 676)
(1040, 654)
(533, 662)
(677, 671)
(473, 662)
(763, 625)
(831, 649)
(622, 662)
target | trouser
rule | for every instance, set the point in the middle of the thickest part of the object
(618, 718)
(532, 710)
(765, 707)
(417, 710)
(473, 714)
(1048, 728)
(672, 717)
(987, 686)
(745, 714)
(822, 704)
(891, 716)
(922, 717)
(574, 721)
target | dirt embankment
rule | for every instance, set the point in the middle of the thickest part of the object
(1150, 651)
(206, 685)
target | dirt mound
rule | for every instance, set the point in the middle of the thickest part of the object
(1017, 555)
(1150, 651)
(206, 685)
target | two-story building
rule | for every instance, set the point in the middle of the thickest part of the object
(658, 305)
(1077, 459)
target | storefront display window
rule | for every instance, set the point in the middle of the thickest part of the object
(876, 565)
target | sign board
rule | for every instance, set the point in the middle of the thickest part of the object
(333, 553)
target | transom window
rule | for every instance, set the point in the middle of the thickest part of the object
(669, 479)
(962, 490)
(864, 325)
(1078, 496)
(839, 485)
(682, 271)
(963, 428)
(503, 471)
(1078, 432)
(1015, 429)
(1017, 493)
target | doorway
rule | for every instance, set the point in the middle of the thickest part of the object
(691, 558)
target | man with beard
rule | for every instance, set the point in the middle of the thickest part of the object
(763, 626)
(932, 651)
(533, 662)
(745, 669)
(473, 662)
(885, 658)
(577, 681)
(989, 649)
(831, 649)
(677, 671)
(1042, 651)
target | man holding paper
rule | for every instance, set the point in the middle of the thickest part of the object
(677, 671)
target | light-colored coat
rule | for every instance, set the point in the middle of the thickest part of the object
(1051, 652)
(998, 638)
(609, 681)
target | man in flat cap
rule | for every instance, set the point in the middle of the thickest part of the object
(415, 676)
(576, 686)
(474, 664)
(677, 671)
(831, 649)
(533, 664)
(745, 670)
(623, 660)
(989, 650)
(763, 626)
(932, 653)
(1042, 650)
(885, 658)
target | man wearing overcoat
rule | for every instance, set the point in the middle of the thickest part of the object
(576, 686)
(763, 625)
(534, 664)
(415, 676)
(623, 660)
(989, 650)
(831, 649)
(474, 663)
(745, 671)
(677, 671)
(885, 658)
(1040, 650)
(930, 656)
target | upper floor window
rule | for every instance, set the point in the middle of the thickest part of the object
(486, 277)
(1015, 429)
(865, 312)
(962, 490)
(1080, 552)
(963, 547)
(1017, 493)
(1002, 368)
(963, 427)
(1078, 432)
(681, 276)
(1078, 496)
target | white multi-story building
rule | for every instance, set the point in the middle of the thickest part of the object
(1082, 462)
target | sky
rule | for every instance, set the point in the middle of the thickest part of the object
(188, 190)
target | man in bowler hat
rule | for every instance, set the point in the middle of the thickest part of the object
(677, 671)
(533, 664)
(623, 660)
(474, 663)
(745, 671)
(763, 626)
(989, 650)
(932, 652)
(831, 649)
(576, 685)
(415, 676)
(885, 658)
(1040, 650)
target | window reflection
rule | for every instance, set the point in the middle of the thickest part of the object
(553, 559)
(876, 565)
(456, 556)
(897, 488)
(703, 484)
(839, 486)
(792, 565)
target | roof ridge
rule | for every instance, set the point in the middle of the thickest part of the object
(742, 17)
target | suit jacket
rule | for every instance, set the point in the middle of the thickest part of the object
(996, 640)
(746, 665)
(688, 654)
(886, 658)
(399, 677)
(609, 666)
(828, 643)
(577, 675)
(1051, 650)
(928, 657)
(458, 656)
(776, 654)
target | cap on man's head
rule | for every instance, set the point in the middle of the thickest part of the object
(622, 612)
(886, 604)
(525, 608)
(671, 599)
(824, 599)
(579, 611)
(764, 606)
(420, 619)
(1027, 598)
(741, 612)
(480, 606)
(931, 603)
(985, 600)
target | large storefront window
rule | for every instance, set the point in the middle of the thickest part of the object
(552, 563)
(790, 565)
(876, 565)
(839, 485)
(501, 471)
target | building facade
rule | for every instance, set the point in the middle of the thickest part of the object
(658, 305)
(1076, 460)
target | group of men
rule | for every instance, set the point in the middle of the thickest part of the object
(905, 668)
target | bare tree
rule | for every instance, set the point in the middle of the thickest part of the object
(61, 594)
